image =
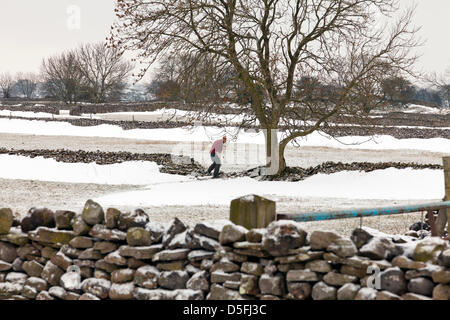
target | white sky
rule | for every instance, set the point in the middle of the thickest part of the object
(31, 30)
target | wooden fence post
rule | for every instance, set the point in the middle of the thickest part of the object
(253, 212)
(446, 161)
(444, 214)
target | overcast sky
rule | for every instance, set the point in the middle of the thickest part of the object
(33, 29)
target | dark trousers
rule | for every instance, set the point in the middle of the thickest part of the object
(216, 167)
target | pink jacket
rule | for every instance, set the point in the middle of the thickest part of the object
(217, 147)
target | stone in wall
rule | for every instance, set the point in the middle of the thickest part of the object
(37, 218)
(282, 236)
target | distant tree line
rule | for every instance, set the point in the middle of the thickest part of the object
(192, 78)
(91, 72)
(442, 83)
(18, 85)
(96, 73)
(400, 91)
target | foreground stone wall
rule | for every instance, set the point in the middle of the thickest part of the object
(114, 255)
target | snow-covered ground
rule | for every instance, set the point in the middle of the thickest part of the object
(165, 189)
(392, 184)
(136, 184)
(64, 114)
(414, 108)
(226, 119)
(40, 169)
(169, 114)
(25, 114)
(206, 134)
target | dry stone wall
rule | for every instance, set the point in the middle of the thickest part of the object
(121, 256)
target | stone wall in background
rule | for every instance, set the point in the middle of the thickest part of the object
(79, 109)
(388, 119)
(31, 108)
(146, 107)
(121, 256)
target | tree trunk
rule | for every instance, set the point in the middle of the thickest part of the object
(282, 165)
(275, 162)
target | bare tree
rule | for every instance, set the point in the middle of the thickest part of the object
(6, 84)
(62, 77)
(442, 83)
(193, 78)
(104, 70)
(398, 90)
(27, 83)
(348, 45)
(204, 78)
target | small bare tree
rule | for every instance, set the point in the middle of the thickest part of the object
(62, 77)
(6, 84)
(193, 78)
(27, 83)
(103, 69)
(442, 83)
(348, 45)
(397, 90)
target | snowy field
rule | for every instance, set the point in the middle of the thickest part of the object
(208, 134)
(386, 184)
(43, 115)
(136, 184)
(40, 169)
(414, 108)
(160, 188)
(168, 114)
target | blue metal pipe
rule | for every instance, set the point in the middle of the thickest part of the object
(356, 213)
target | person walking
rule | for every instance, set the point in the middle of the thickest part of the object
(216, 152)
